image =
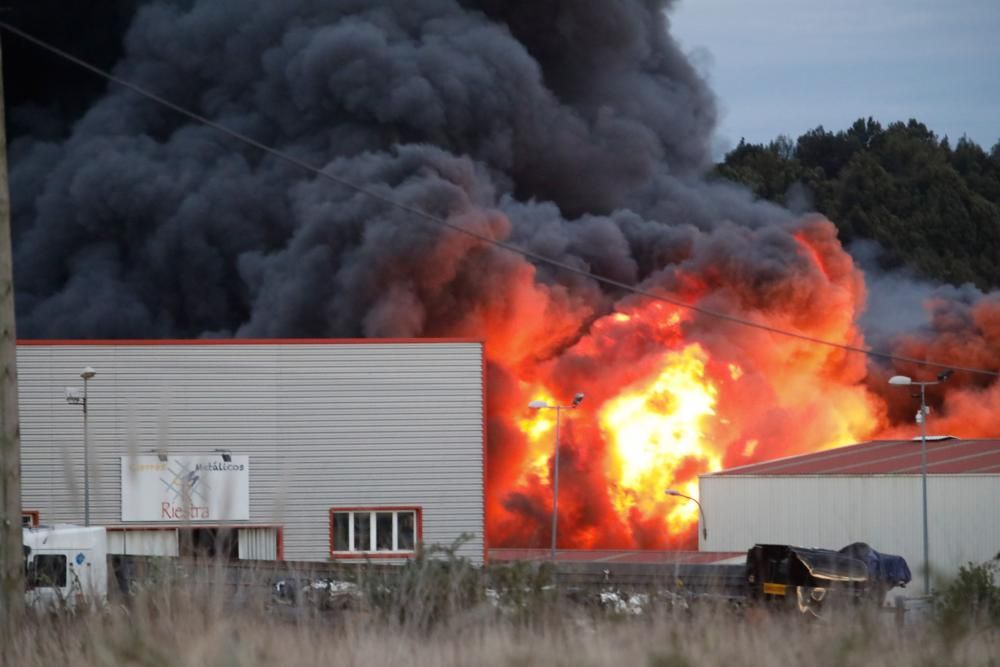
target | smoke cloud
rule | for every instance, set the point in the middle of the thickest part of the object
(579, 131)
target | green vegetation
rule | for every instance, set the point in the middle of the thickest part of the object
(971, 601)
(444, 583)
(930, 206)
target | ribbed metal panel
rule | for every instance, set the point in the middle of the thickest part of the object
(883, 510)
(325, 425)
(143, 542)
(258, 543)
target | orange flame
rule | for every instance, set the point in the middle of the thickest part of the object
(671, 395)
(654, 427)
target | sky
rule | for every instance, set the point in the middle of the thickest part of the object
(787, 66)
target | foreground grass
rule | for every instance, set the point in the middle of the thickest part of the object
(189, 629)
(447, 612)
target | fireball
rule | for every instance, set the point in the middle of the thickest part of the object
(656, 428)
(672, 395)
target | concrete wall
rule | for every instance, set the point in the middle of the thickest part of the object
(831, 511)
(325, 423)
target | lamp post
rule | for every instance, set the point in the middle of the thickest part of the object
(704, 522)
(542, 405)
(73, 397)
(904, 381)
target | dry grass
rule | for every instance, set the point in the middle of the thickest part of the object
(182, 628)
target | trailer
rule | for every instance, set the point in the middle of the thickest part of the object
(773, 576)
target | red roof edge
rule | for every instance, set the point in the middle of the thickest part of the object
(947, 456)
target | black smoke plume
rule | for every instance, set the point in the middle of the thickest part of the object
(582, 124)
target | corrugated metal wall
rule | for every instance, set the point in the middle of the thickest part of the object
(325, 424)
(883, 510)
(143, 542)
(258, 543)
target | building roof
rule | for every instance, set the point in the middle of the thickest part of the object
(945, 455)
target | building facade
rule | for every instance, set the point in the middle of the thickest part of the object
(298, 449)
(871, 492)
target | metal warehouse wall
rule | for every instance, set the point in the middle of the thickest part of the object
(883, 510)
(325, 424)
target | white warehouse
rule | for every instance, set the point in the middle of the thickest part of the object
(870, 492)
(295, 449)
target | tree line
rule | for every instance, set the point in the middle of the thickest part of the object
(931, 206)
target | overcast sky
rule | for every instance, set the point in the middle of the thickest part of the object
(786, 66)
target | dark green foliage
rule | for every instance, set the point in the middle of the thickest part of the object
(523, 591)
(438, 587)
(971, 600)
(930, 206)
(435, 586)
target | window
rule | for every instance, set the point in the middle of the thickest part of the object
(374, 530)
(404, 537)
(342, 531)
(362, 531)
(220, 543)
(47, 571)
(30, 518)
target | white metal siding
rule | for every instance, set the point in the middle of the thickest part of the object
(325, 425)
(883, 510)
(143, 542)
(258, 543)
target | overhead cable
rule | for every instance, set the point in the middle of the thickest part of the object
(441, 222)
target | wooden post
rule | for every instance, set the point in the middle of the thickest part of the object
(11, 554)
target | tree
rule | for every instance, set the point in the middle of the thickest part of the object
(930, 206)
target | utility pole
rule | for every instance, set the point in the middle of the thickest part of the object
(904, 381)
(541, 405)
(11, 554)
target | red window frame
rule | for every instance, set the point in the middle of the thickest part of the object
(34, 516)
(418, 513)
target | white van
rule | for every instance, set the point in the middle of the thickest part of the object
(65, 566)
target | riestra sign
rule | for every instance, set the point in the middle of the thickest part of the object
(185, 488)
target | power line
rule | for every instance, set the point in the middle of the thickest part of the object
(441, 222)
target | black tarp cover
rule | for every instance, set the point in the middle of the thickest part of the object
(831, 565)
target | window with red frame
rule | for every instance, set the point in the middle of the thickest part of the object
(366, 530)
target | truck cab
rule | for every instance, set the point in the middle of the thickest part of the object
(66, 566)
(785, 574)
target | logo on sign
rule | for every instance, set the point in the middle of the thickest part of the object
(189, 490)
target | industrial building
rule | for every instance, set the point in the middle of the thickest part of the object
(297, 449)
(869, 492)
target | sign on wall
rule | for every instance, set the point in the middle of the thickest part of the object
(185, 488)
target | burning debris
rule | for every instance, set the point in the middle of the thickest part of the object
(578, 131)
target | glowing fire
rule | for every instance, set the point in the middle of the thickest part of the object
(671, 395)
(539, 428)
(649, 424)
(654, 428)
(661, 411)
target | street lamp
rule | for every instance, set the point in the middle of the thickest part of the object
(704, 523)
(542, 405)
(904, 381)
(73, 398)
